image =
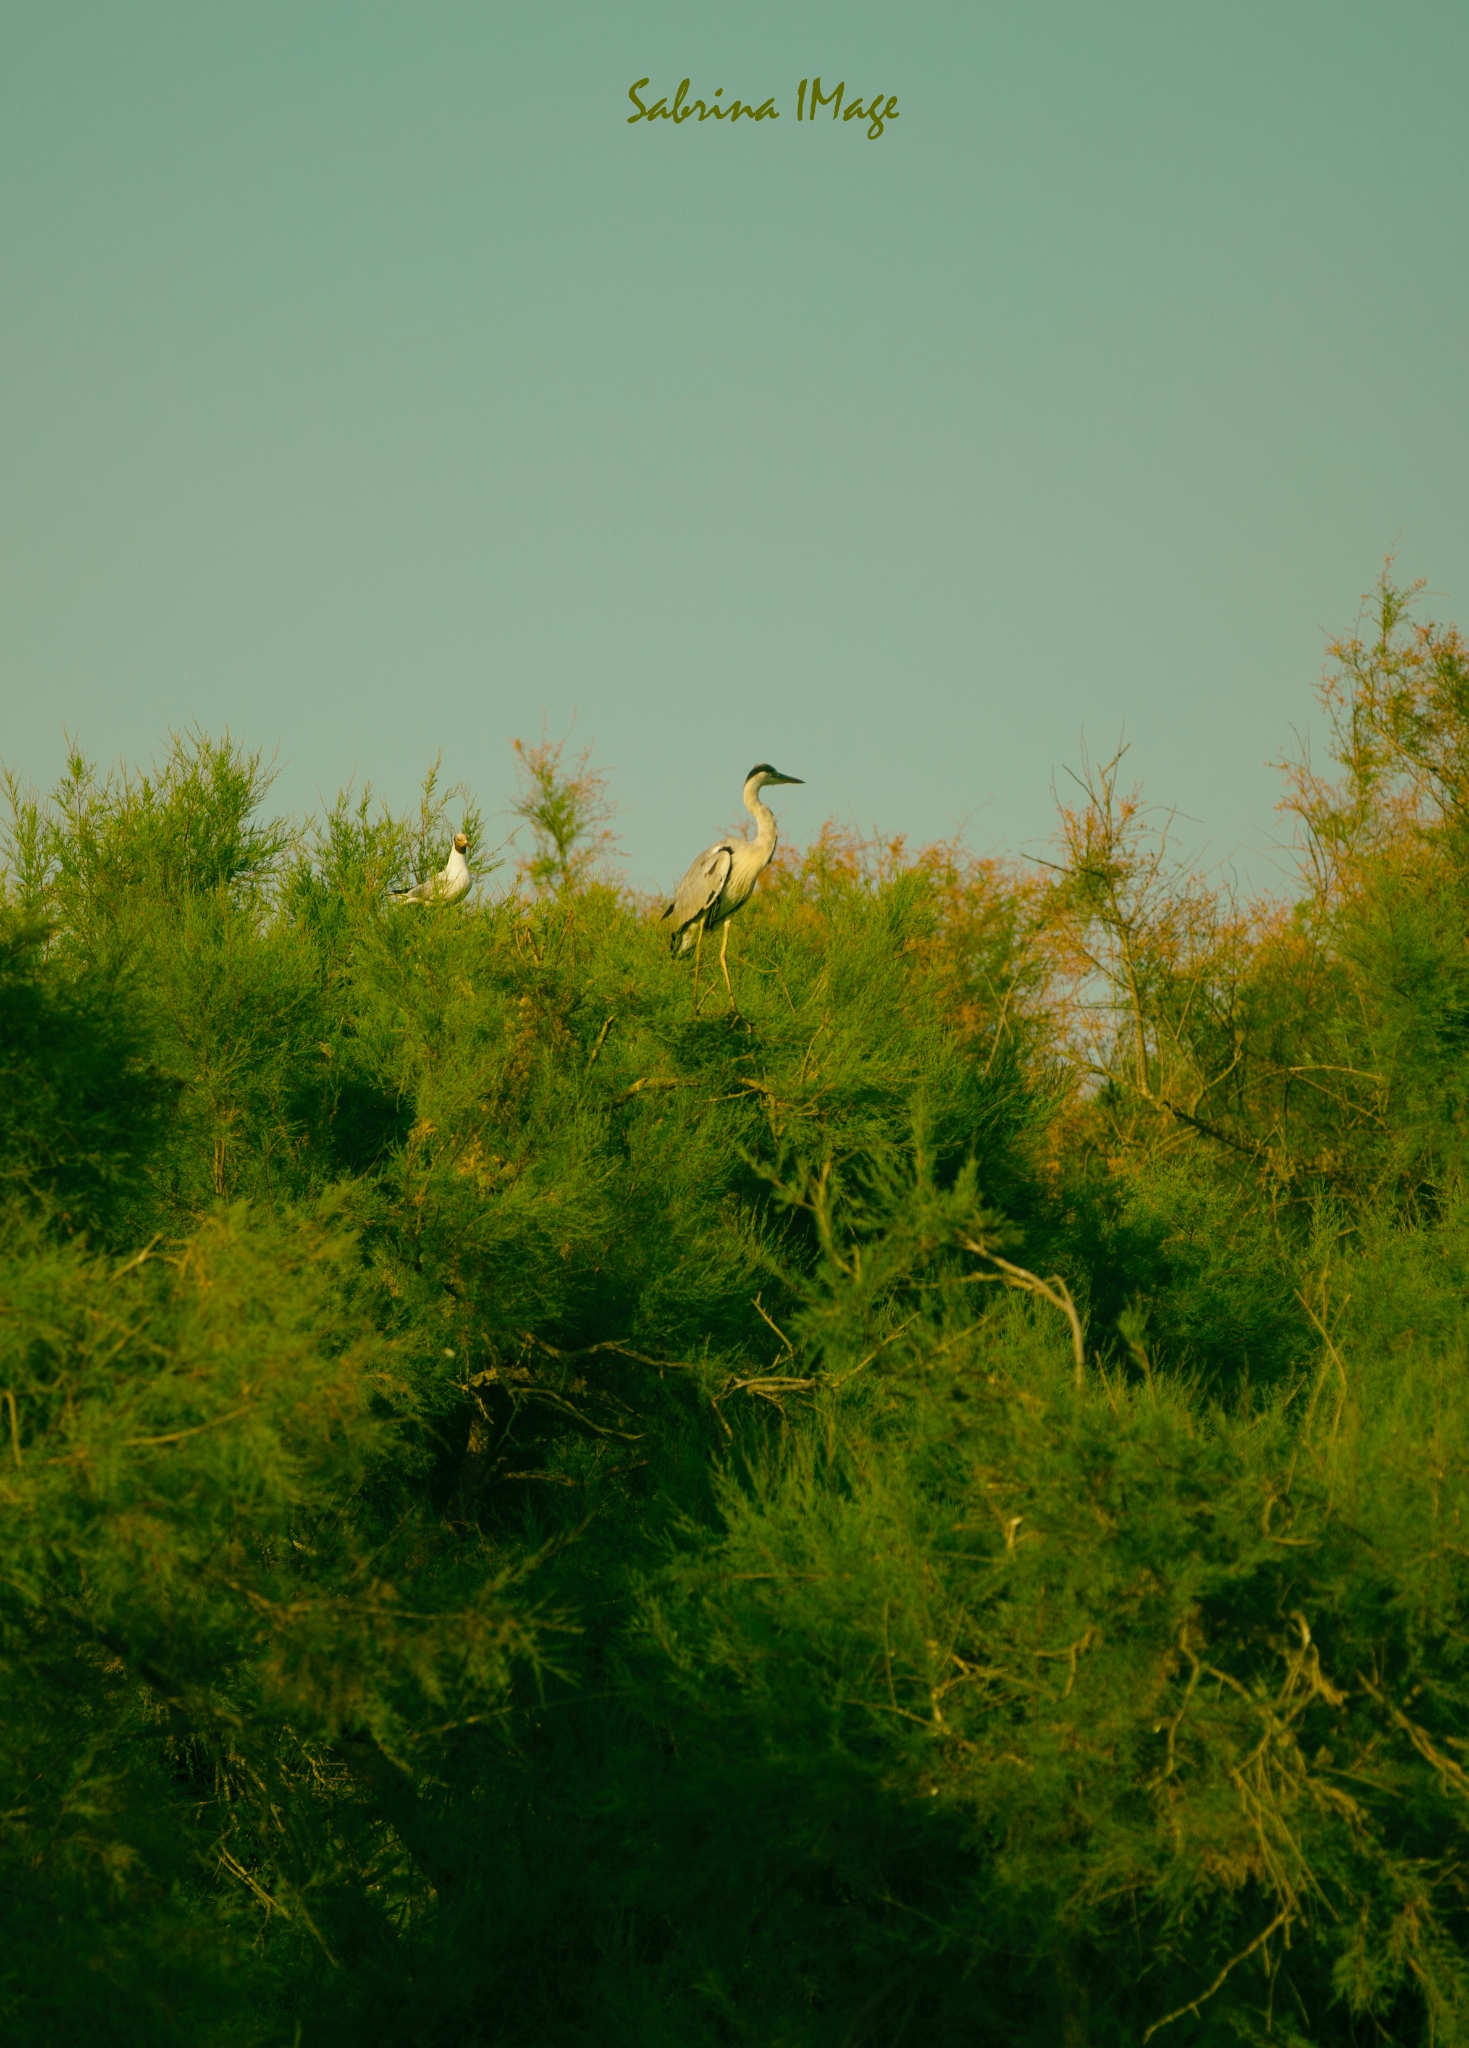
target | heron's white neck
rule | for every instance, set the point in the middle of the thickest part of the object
(764, 818)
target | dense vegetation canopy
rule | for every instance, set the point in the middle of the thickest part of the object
(932, 1508)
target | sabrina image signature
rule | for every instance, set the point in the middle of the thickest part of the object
(876, 111)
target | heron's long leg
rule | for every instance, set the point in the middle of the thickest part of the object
(698, 949)
(723, 949)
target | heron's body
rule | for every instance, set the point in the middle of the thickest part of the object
(447, 886)
(722, 879)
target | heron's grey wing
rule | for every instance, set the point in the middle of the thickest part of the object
(700, 888)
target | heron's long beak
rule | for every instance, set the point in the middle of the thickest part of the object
(787, 778)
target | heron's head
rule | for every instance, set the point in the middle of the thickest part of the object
(762, 773)
(461, 843)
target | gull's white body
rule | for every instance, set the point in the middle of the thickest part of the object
(448, 885)
(722, 879)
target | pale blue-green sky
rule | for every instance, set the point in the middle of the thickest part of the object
(369, 386)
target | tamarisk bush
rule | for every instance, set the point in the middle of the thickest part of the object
(931, 1508)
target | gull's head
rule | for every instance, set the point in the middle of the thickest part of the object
(762, 773)
(461, 843)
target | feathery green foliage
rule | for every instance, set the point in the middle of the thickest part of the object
(931, 1507)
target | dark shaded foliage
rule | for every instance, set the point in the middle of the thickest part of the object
(82, 1108)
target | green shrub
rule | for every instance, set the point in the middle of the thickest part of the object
(925, 1505)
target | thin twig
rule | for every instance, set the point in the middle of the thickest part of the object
(1194, 2003)
(9, 1400)
(654, 1081)
(601, 1041)
(137, 1258)
(1334, 1357)
(759, 1309)
(1054, 1290)
(273, 1904)
(267, 1899)
(892, 1337)
(545, 1394)
(176, 1436)
(760, 1382)
(608, 1344)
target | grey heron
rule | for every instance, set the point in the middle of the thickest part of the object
(447, 886)
(721, 880)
